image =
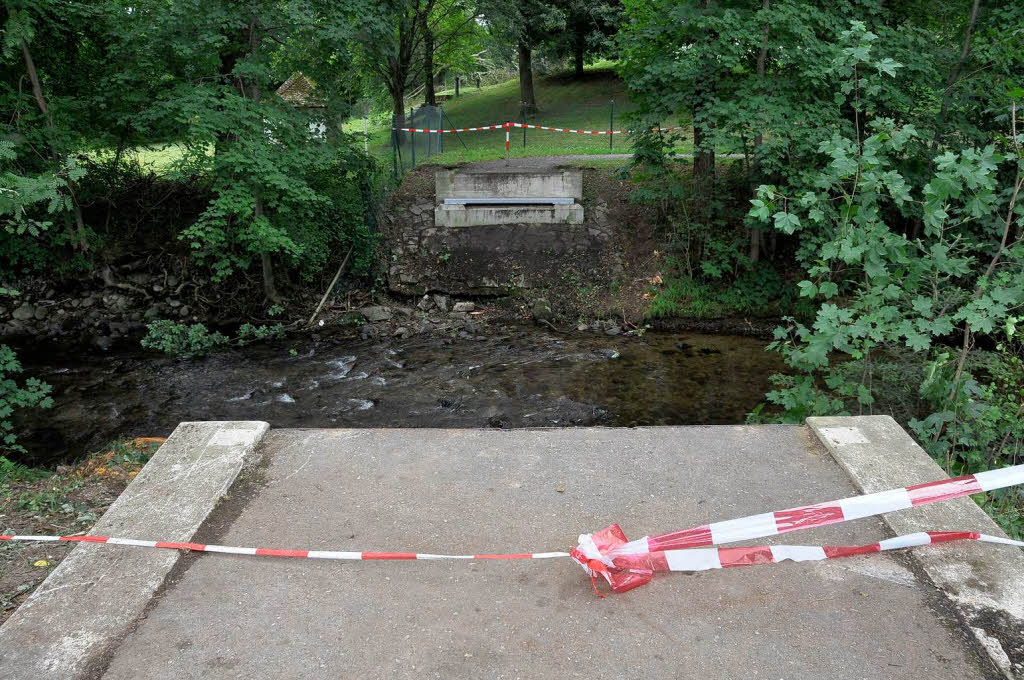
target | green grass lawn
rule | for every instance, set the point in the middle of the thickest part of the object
(563, 102)
(157, 159)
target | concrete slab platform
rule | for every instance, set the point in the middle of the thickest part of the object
(456, 190)
(986, 587)
(474, 491)
(510, 183)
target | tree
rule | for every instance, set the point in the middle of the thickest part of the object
(590, 28)
(452, 38)
(897, 305)
(525, 25)
(402, 39)
(47, 115)
(389, 43)
(755, 76)
(267, 168)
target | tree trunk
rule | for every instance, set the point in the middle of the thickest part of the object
(269, 289)
(37, 92)
(526, 79)
(756, 237)
(33, 76)
(703, 148)
(429, 96)
(398, 102)
(579, 47)
(398, 111)
(253, 91)
(703, 158)
(964, 52)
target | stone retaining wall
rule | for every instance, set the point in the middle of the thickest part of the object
(490, 259)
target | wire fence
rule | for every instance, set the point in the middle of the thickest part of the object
(421, 133)
(411, 148)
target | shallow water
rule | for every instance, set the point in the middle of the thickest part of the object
(525, 378)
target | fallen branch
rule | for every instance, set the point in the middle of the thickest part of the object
(331, 287)
(552, 326)
(108, 280)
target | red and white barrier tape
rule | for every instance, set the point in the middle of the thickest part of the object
(577, 132)
(276, 552)
(506, 126)
(451, 130)
(628, 564)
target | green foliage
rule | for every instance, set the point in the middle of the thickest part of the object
(12, 472)
(982, 421)
(904, 265)
(281, 180)
(247, 332)
(32, 393)
(196, 340)
(52, 500)
(590, 28)
(130, 454)
(756, 292)
(181, 340)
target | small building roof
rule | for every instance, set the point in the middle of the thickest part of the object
(300, 91)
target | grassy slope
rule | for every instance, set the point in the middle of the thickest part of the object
(563, 101)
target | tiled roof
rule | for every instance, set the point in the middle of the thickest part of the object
(300, 91)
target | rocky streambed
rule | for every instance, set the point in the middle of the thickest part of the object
(513, 376)
(100, 311)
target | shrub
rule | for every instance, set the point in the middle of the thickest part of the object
(33, 393)
(180, 340)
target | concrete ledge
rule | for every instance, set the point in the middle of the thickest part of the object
(984, 582)
(94, 597)
(511, 184)
(447, 215)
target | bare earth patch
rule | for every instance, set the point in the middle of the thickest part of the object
(66, 502)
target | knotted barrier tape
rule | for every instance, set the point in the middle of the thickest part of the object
(628, 564)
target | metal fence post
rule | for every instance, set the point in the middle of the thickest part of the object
(611, 127)
(522, 113)
(457, 79)
(508, 144)
(394, 144)
(440, 127)
(456, 131)
(412, 137)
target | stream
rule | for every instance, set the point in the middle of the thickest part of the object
(521, 378)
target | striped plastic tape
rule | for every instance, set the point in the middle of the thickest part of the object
(627, 564)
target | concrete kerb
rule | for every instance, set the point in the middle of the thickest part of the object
(107, 590)
(984, 583)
